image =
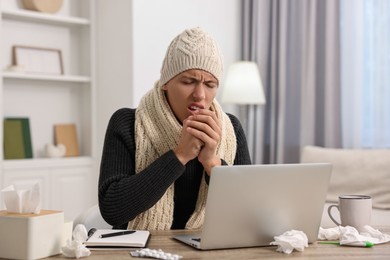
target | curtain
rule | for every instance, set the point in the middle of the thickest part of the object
(296, 45)
(365, 45)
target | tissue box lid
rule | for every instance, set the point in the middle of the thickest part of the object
(4, 213)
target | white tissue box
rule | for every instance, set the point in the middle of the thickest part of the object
(32, 236)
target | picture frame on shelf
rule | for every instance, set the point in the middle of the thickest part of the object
(66, 135)
(38, 60)
(17, 138)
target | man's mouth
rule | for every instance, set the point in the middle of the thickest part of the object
(194, 108)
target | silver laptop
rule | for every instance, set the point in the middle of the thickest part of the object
(247, 205)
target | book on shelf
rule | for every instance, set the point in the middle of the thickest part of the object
(116, 239)
(17, 138)
(66, 134)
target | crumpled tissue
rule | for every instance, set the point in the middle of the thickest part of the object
(291, 240)
(22, 201)
(350, 236)
(76, 248)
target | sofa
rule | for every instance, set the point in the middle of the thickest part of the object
(355, 171)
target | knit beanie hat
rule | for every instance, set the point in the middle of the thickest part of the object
(192, 49)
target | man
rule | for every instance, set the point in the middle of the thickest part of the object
(157, 158)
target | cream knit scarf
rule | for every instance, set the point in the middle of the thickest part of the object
(157, 131)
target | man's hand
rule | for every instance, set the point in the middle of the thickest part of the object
(189, 146)
(206, 128)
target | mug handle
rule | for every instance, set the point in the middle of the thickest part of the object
(330, 214)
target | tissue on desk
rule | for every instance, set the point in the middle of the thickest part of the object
(76, 248)
(349, 235)
(291, 240)
(22, 201)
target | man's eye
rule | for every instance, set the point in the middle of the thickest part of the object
(187, 81)
(211, 85)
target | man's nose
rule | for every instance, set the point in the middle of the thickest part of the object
(199, 92)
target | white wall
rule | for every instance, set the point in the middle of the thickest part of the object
(114, 66)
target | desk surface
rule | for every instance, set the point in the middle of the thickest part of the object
(163, 240)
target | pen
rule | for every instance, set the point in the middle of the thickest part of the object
(357, 243)
(115, 234)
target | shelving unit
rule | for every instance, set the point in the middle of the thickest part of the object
(64, 78)
(31, 16)
(51, 99)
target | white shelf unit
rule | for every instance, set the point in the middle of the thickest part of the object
(51, 99)
(59, 78)
(32, 16)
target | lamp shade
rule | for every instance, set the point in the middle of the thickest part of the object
(243, 84)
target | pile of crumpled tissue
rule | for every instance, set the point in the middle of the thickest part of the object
(290, 240)
(76, 248)
(349, 236)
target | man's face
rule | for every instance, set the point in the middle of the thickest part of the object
(191, 90)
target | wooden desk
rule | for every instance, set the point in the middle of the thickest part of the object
(163, 240)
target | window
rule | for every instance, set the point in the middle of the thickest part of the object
(365, 73)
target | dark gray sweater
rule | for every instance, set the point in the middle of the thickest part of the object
(123, 194)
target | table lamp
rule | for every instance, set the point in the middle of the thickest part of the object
(243, 85)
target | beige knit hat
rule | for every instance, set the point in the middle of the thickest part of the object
(192, 49)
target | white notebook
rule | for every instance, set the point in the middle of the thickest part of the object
(138, 238)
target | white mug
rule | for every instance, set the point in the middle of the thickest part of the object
(354, 210)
